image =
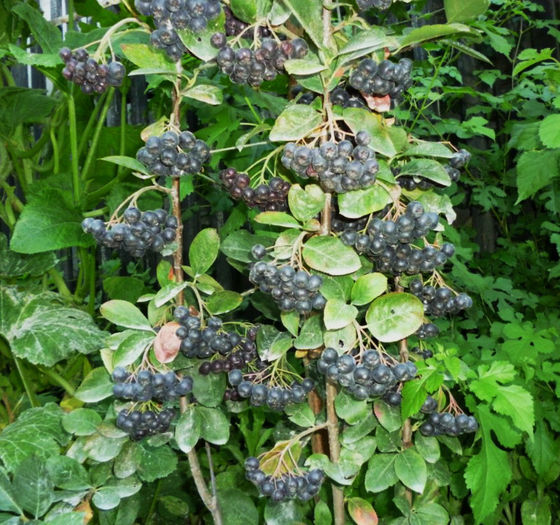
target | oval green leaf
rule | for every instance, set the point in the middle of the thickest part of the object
(331, 256)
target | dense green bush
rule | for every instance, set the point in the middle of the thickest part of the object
(72, 313)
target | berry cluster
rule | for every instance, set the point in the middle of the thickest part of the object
(340, 167)
(171, 15)
(265, 197)
(174, 154)
(204, 342)
(238, 359)
(253, 67)
(148, 386)
(368, 378)
(85, 72)
(439, 301)
(385, 78)
(139, 425)
(445, 423)
(378, 4)
(290, 289)
(339, 97)
(456, 163)
(427, 330)
(285, 486)
(234, 26)
(274, 397)
(141, 231)
(389, 243)
(424, 353)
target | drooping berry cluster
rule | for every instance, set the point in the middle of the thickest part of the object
(378, 4)
(286, 486)
(385, 78)
(139, 425)
(389, 243)
(290, 289)
(147, 386)
(253, 67)
(440, 301)
(204, 342)
(274, 397)
(427, 330)
(140, 232)
(85, 72)
(265, 197)
(174, 154)
(458, 161)
(237, 359)
(234, 26)
(367, 378)
(172, 15)
(445, 423)
(339, 167)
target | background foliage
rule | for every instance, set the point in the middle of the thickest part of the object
(495, 94)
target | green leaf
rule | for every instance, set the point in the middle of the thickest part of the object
(47, 223)
(214, 426)
(34, 59)
(272, 343)
(544, 451)
(36, 432)
(155, 463)
(33, 487)
(199, 43)
(394, 316)
(277, 218)
(237, 507)
(146, 57)
(427, 447)
(385, 139)
(204, 250)
(488, 473)
(460, 11)
(124, 314)
(368, 41)
(350, 409)
(310, 335)
(299, 66)
(81, 421)
(13, 264)
(208, 390)
(309, 14)
(322, 514)
(413, 397)
(290, 320)
(368, 287)
(432, 513)
(388, 416)
(245, 10)
(132, 347)
(106, 498)
(536, 512)
(206, 93)
(127, 162)
(188, 429)
(42, 329)
(46, 34)
(549, 131)
(411, 469)
(362, 512)
(295, 123)
(123, 287)
(431, 32)
(97, 385)
(223, 302)
(168, 292)
(427, 169)
(381, 473)
(67, 473)
(338, 314)
(342, 340)
(7, 498)
(356, 432)
(300, 414)
(68, 518)
(238, 245)
(331, 256)
(358, 203)
(22, 105)
(305, 203)
(530, 57)
(424, 148)
(516, 402)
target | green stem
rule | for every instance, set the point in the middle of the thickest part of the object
(97, 133)
(74, 147)
(57, 378)
(122, 148)
(27, 387)
(91, 279)
(91, 122)
(27, 153)
(60, 283)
